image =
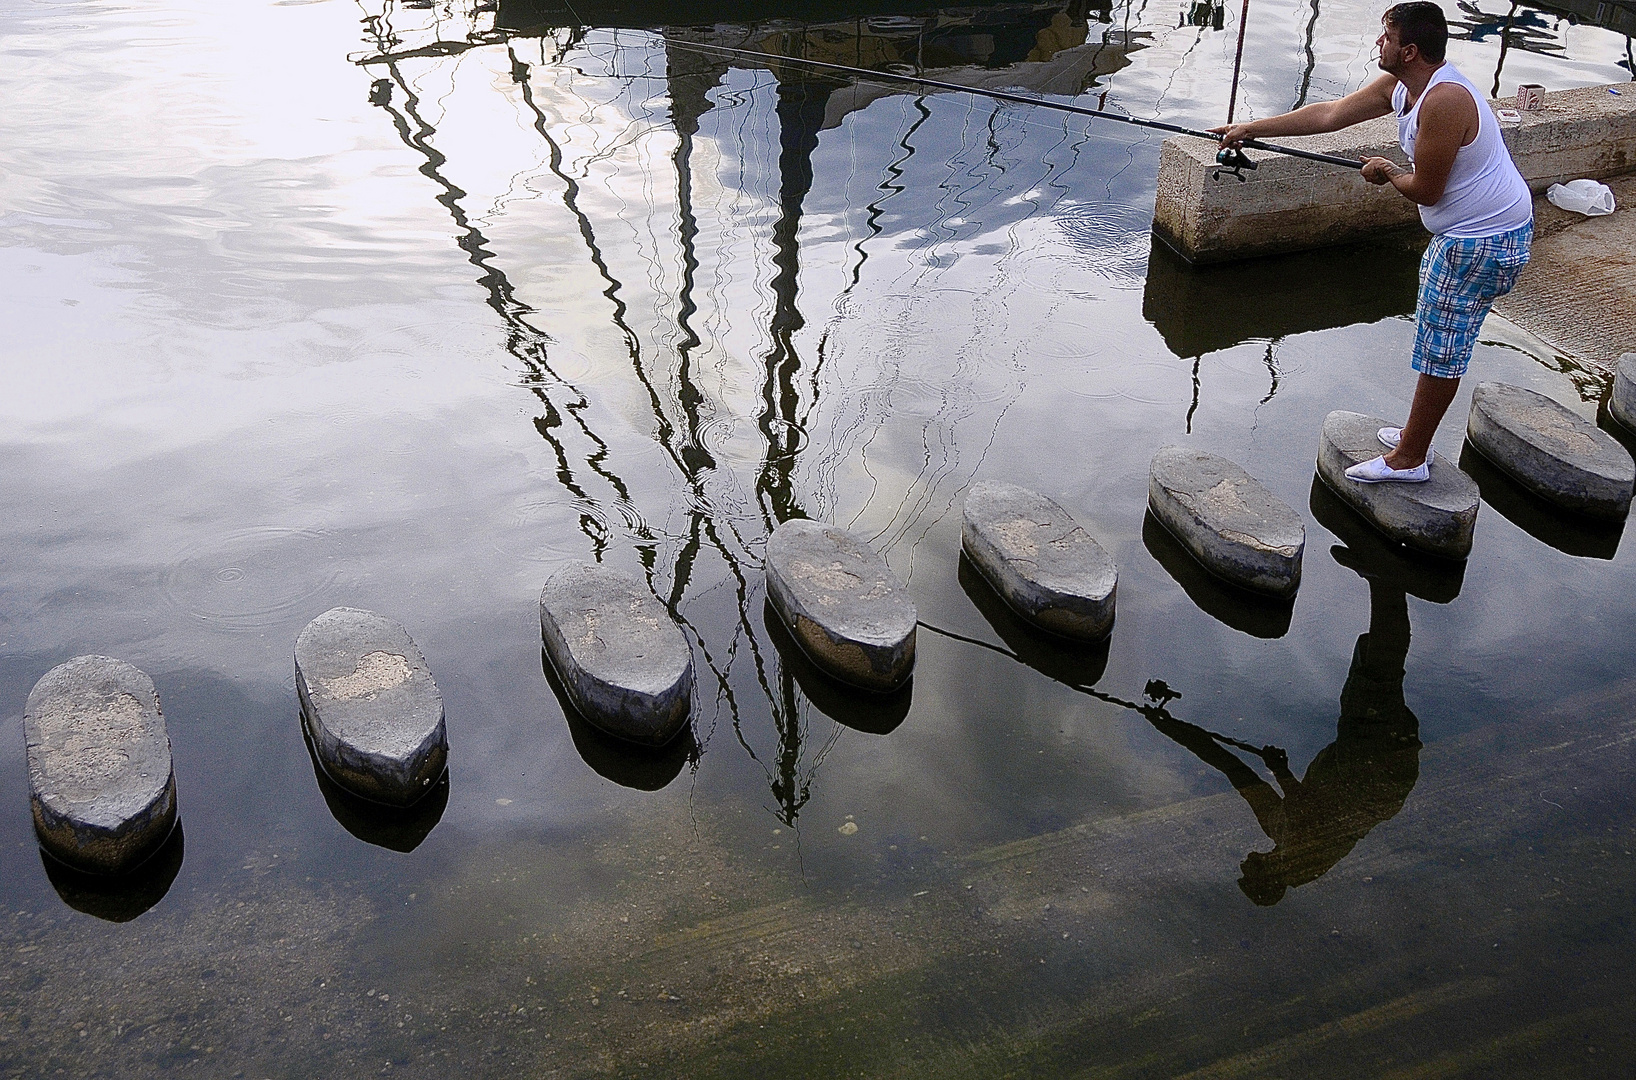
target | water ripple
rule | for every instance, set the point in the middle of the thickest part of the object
(252, 578)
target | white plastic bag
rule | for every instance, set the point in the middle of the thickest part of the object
(1582, 197)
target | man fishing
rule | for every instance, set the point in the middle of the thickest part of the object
(1471, 197)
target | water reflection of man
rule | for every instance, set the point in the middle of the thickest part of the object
(1471, 197)
(1355, 783)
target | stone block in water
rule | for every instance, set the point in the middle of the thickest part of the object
(1234, 527)
(101, 784)
(1437, 517)
(1044, 565)
(370, 707)
(623, 661)
(842, 604)
(1564, 459)
(1623, 402)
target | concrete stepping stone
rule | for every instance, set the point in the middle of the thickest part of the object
(1543, 445)
(1257, 614)
(623, 661)
(1234, 527)
(121, 897)
(1376, 556)
(872, 714)
(100, 779)
(1041, 562)
(1622, 404)
(370, 707)
(842, 604)
(1572, 534)
(1436, 517)
(1068, 661)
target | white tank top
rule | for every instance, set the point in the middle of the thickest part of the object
(1485, 195)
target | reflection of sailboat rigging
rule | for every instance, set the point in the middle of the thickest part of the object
(682, 445)
(594, 468)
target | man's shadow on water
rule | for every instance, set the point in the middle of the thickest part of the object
(1362, 778)
(1353, 784)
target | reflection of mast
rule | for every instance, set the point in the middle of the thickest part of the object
(1312, 60)
(689, 100)
(691, 459)
(800, 115)
(523, 341)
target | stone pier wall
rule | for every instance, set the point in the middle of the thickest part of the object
(1288, 204)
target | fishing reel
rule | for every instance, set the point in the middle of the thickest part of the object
(1232, 160)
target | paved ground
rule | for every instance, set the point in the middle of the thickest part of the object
(1578, 294)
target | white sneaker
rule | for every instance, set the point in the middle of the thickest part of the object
(1376, 471)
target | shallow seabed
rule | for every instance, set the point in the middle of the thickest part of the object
(304, 308)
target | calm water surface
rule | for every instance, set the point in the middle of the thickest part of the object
(405, 307)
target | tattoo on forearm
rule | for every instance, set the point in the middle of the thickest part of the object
(1393, 170)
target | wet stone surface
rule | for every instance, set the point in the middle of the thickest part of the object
(370, 706)
(1232, 525)
(1437, 517)
(623, 661)
(1623, 402)
(1044, 565)
(99, 768)
(1545, 447)
(845, 607)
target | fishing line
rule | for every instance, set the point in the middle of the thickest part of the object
(1231, 158)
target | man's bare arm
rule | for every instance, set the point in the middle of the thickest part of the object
(1374, 99)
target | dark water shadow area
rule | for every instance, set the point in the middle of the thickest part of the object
(1564, 530)
(872, 714)
(641, 768)
(1244, 611)
(1606, 421)
(395, 828)
(1204, 309)
(1364, 776)
(119, 898)
(1074, 663)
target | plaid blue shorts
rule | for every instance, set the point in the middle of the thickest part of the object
(1460, 278)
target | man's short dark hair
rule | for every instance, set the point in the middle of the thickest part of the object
(1421, 24)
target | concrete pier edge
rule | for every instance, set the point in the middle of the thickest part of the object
(1289, 204)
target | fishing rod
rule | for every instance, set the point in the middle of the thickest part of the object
(1232, 159)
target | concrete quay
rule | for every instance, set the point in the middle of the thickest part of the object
(1288, 204)
(1578, 292)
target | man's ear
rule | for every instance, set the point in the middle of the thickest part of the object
(1403, 53)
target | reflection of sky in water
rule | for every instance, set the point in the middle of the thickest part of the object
(281, 336)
